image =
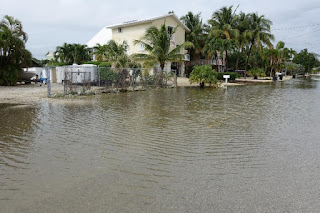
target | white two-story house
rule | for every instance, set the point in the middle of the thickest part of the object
(134, 30)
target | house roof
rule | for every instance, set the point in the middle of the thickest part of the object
(137, 22)
(102, 37)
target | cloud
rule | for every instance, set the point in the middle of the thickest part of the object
(50, 23)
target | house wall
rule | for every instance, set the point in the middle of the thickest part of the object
(179, 36)
(135, 32)
(129, 34)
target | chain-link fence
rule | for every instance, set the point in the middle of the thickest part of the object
(133, 77)
(75, 82)
(80, 78)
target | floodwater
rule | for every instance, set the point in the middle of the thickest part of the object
(253, 148)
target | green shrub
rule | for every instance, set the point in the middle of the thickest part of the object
(108, 76)
(105, 64)
(99, 63)
(315, 71)
(233, 75)
(203, 74)
(57, 64)
(257, 72)
(92, 62)
(9, 75)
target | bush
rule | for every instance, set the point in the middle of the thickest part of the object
(9, 75)
(57, 64)
(257, 72)
(105, 64)
(315, 71)
(108, 76)
(233, 75)
(99, 63)
(203, 74)
(92, 62)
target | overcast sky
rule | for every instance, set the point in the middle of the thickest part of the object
(50, 23)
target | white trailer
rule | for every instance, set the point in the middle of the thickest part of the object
(79, 73)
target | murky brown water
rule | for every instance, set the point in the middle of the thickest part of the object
(254, 148)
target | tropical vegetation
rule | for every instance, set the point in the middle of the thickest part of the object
(203, 75)
(157, 45)
(72, 53)
(234, 40)
(243, 41)
(230, 40)
(13, 53)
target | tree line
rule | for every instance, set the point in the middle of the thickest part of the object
(244, 40)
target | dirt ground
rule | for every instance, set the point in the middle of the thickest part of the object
(27, 94)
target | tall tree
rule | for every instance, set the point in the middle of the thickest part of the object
(72, 53)
(157, 45)
(242, 40)
(13, 54)
(223, 24)
(81, 53)
(213, 48)
(100, 52)
(64, 53)
(258, 33)
(115, 50)
(196, 35)
(306, 59)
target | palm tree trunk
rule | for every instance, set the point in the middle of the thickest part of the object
(249, 54)
(238, 58)
(162, 66)
(271, 68)
(217, 62)
(227, 60)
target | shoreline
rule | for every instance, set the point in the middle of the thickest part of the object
(261, 79)
(34, 93)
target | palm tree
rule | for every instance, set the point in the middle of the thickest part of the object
(13, 54)
(100, 52)
(292, 53)
(64, 53)
(258, 33)
(277, 57)
(115, 50)
(281, 54)
(196, 35)
(72, 53)
(156, 43)
(212, 48)
(242, 40)
(80, 53)
(110, 51)
(223, 25)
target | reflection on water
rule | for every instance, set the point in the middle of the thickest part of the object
(250, 148)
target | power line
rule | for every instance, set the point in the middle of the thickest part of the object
(297, 27)
(303, 34)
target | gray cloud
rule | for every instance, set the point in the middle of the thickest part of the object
(50, 23)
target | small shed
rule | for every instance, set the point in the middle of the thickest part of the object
(77, 73)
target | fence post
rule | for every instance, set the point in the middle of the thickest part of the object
(48, 81)
(99, 78)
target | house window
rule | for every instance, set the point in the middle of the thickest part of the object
(140, 48)
(213, 61)
(119, 30)
(126, 46)
(170, 31)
